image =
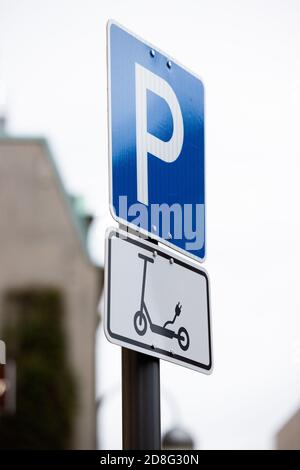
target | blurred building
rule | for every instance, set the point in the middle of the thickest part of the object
(288, 438)
(43, 239)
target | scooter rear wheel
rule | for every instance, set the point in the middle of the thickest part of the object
(183, 339)
(140, 323)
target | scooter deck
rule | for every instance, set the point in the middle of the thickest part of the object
(160, 330)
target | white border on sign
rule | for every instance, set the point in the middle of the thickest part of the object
(111, 207)
(179, 257)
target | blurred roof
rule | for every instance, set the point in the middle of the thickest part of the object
(288, 437)
(177, 438)
(80, 218)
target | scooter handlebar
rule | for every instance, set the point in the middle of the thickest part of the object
(146, 258)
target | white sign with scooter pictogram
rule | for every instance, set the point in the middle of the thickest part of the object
(157, 303)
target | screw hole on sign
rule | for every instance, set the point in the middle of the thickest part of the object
(152, 53)
(169, 64)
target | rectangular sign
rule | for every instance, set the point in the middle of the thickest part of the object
(156, 303)
(156, 143)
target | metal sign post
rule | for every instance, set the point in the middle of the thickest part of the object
(140, 401)
(141, 426)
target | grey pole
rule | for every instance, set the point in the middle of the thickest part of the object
(140, 401)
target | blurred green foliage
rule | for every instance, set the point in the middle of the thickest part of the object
(46, 392)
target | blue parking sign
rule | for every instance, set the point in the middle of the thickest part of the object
(156, 140)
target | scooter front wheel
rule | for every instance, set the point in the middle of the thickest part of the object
(140, 323)
(183, 339)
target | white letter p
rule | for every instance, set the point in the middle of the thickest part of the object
(148, 143)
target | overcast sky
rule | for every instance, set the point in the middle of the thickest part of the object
(53, 61)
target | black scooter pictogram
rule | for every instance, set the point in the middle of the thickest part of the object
(142, 316)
